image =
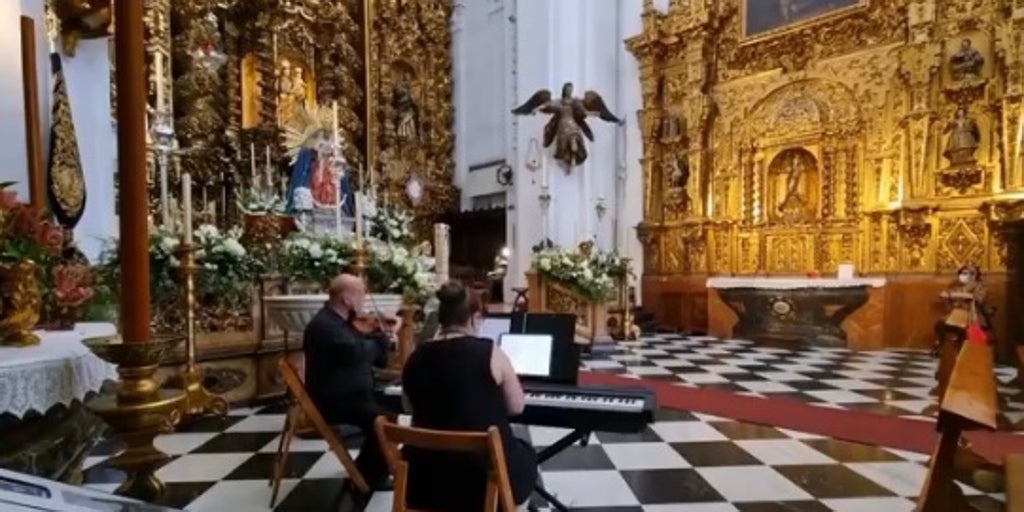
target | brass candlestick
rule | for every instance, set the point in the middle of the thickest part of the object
(359, 266)
(630, 331)
(198, 400)
(139, 411)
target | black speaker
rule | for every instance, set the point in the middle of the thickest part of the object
(565, 355)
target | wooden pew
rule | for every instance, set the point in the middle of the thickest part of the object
(969, 403)
(1015, 482)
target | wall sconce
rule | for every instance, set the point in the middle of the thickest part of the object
(503, 175)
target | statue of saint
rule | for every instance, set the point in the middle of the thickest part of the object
(568, 124)
(792, 199)
(407, 114)
(964, 139)
(679, 180)
(966, 62)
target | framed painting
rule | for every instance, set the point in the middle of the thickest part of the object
(764, 17)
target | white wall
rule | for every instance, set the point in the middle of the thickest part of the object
(480, 113)
(88, 77)
(547, 43)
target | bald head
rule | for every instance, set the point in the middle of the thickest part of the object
(347, 291)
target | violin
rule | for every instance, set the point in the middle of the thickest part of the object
(374, 322)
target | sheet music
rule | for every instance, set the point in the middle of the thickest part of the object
(530, 354)
(493, 327)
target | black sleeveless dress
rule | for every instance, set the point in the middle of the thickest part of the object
(450, 386)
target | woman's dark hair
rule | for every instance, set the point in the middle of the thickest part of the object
(457, 305)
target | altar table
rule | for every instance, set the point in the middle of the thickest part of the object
(817, 311)
(59, 370)
(45, 430)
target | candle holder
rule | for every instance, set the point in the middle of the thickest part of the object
(630, 331)
(359, 266)
(138, 411)
(198, 400)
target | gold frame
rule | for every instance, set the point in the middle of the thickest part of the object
(746, 38)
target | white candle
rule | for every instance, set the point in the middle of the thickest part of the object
(186, 202)
(252, 160)
(334, 111)
(337, 204)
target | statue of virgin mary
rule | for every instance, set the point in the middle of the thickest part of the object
(319, 178)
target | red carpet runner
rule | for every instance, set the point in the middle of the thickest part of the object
(860, 427)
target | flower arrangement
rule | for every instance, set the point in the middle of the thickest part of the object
(315, 258)
(260, 202)
(392, 225)
(591, 275)
(393, 268)
(26, 233)
(226, 269)
(72, 290)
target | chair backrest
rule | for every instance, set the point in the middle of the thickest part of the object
(488, 443)
(298, 391)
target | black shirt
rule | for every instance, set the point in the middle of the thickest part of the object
(450, 386)
(339, 360)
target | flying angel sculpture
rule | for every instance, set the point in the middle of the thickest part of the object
(568, 124)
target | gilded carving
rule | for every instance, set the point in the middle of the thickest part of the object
(874, 135)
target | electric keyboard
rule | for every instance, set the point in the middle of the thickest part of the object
(578, 407)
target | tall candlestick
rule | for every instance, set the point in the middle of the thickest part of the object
(359, 219)
(186, 206)
(274, 50)
(544, 169)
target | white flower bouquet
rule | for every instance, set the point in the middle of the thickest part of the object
(393, 268)
(260, 202)
(391, 225)
(226, 269)
(591, 275)
(315, 258)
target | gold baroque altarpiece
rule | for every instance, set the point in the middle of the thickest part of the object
(278, 52)
(887, 134)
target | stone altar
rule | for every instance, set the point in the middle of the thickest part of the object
(818, 311)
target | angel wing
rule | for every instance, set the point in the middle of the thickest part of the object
(593, 104)
(539, 100)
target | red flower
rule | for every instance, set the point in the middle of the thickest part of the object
(72, 285)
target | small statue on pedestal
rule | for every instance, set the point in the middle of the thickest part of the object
(964, 139)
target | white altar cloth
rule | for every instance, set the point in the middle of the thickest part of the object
(57, 371)
(792, 283)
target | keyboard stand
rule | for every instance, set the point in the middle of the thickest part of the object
(580, 436)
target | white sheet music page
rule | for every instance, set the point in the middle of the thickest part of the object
(530, 354)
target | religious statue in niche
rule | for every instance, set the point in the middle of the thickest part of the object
(568, 124)
(967, 62)
(679, 180)
(293, 91)
(406, 112)
(964, 139)
(320, 181)
(794, 177)
(252, 92)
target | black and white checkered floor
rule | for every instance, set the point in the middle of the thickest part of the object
(684, 461)
(890, 382)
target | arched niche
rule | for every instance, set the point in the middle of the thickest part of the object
(794, 186)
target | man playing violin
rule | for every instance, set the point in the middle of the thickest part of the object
(339, 368)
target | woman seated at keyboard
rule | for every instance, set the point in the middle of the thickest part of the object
(462, 382)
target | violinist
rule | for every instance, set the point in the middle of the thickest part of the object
(340, 357)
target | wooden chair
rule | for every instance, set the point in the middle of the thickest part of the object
(391, 436)
(968, 403)
(303, 406)
(1015, 482)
